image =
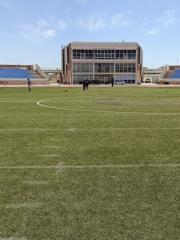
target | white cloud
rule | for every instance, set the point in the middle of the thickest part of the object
(168, 19)
(49, 33)
(94, 23)
(165, 20)
(117, 20)
(42, 23)
(62, 24)
(151, 32)
(42, 29)
(35, 33)
(100, 22)
(81, 1)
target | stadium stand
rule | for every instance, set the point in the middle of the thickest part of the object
(176, 74)
(15, 73)
(170, 75)
(18, 75)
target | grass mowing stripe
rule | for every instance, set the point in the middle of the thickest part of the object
(125, 182)
(91, 166)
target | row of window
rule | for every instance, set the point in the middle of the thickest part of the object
(125, 67)
(104, 54)
(103, 79)
(104, 67)
(125, 77)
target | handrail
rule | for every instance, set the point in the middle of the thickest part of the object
(40, 71)
(58, 69)
(163, 72)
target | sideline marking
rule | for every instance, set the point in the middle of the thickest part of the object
(53, 146)
(13, 238)
(87, 129)
(97, 111)
(36, 182)
(50, 155)
(60, 166)
(28, 205)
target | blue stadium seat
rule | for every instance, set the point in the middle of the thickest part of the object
(15, 73)
(176, 74)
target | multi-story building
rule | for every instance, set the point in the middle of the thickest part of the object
(100, 62)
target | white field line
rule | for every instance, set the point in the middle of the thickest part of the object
(13, 238)
(60, 166)
(97, 111)
(26, 205)
(53, 146)
(87, 129)
(56, 140)
(17, 102)
(50, 155)
(69, 109)
(36, 182)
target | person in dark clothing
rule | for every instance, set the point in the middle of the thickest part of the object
(29, 84)
(87, 84)
(112, 82)
(84, 84)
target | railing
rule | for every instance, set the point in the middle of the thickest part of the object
(40, 71)
(163, 73)
(53, 69)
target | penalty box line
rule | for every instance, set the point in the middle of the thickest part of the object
(90, 166)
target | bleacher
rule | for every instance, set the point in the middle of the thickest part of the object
(176, 74)
(15, 73)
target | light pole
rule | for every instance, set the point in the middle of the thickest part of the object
(177, 61)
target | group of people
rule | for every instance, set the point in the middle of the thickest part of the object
(85, 84)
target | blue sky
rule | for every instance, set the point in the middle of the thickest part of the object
(33, 31)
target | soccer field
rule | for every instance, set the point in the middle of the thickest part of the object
(100, 164)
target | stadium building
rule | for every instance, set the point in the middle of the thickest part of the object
(99, 62)
(18, 74)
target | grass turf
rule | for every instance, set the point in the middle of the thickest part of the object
(98, 127)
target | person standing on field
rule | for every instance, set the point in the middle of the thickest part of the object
(112, 81)
(84, 84)
(87, 84)
(29, 84)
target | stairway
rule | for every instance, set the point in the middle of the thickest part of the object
(168, 73)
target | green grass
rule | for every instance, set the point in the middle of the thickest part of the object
(100, 127)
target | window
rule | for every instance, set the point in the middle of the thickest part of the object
(127, 78)
(103, 67)
(131, 54)
(82, 54)
(125, 67)
(78, 78)
(82, 67)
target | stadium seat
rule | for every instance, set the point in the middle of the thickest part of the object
(176, 74)
(16, 73)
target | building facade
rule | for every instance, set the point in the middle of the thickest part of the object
(152, 75)
(100, 62)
